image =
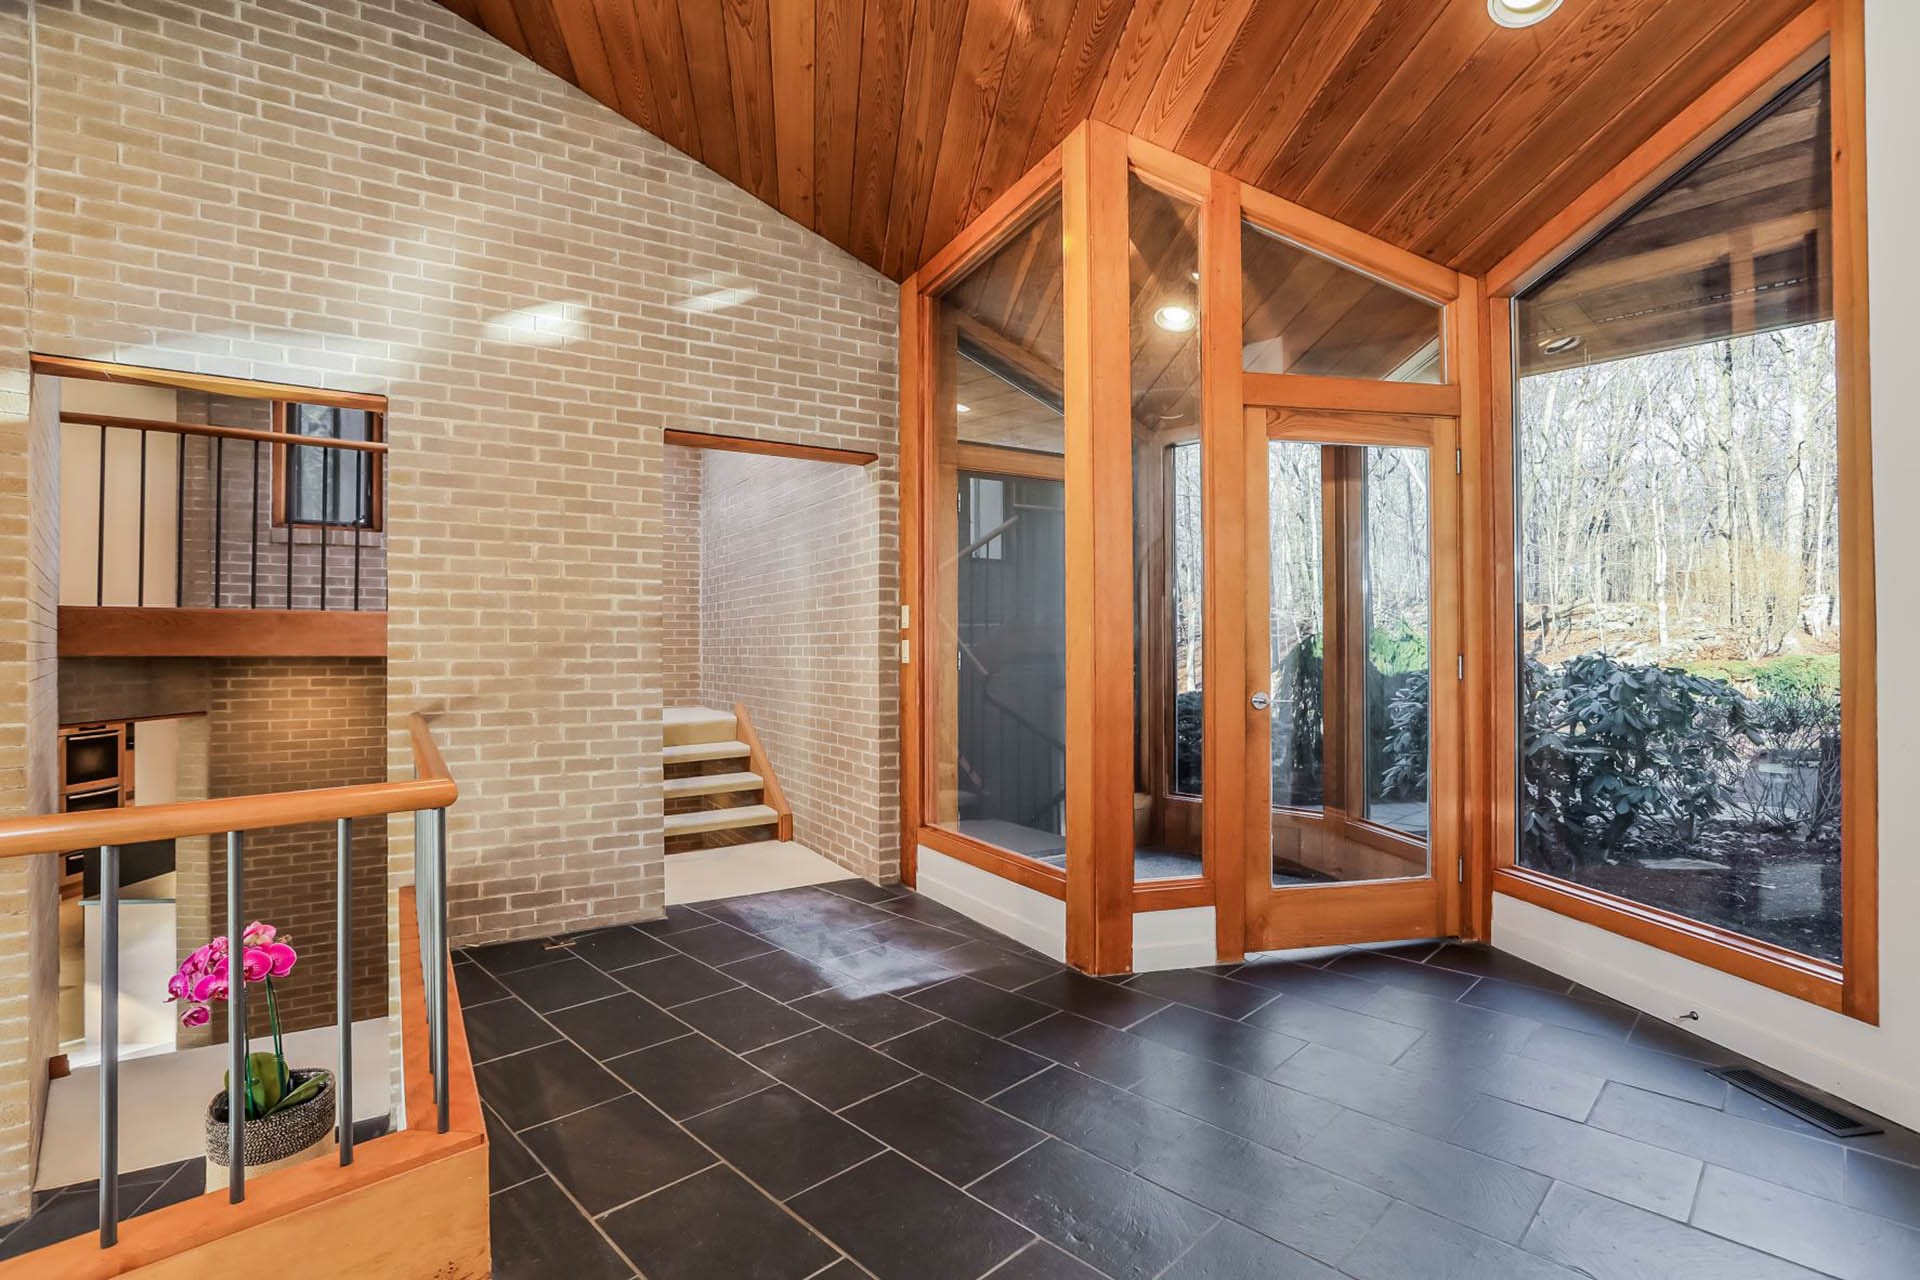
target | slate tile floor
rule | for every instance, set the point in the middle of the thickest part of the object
(846, 1081)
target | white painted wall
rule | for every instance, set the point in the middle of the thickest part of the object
(1878, 1067)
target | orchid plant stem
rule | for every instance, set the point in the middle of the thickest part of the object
(279, 1049)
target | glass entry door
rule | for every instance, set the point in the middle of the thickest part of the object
(1352, 679)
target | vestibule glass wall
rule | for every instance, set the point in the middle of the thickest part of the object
(996, 681)
(1680, 512)
(1163, 231)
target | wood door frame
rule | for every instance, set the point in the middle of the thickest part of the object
(1384, 909)
(1830, 30)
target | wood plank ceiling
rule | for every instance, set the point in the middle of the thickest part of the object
(885, 125)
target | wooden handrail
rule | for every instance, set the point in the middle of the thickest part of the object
(212, 384)
(431, 787)
(770, 792)
(224, 433)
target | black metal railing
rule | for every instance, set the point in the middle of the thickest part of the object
(242, 534)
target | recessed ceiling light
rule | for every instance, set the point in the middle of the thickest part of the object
(1175, 318)
(963, 408)
(1521, 13)
(1560, 346)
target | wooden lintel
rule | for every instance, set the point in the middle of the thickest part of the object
(769, 448)
(88, 631)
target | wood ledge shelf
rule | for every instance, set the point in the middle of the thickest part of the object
(88, 631)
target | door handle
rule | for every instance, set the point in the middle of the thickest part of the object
(1260, 701)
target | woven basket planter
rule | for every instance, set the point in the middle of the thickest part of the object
(283, 1138)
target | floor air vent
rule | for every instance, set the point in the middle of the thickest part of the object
(1783, 1095)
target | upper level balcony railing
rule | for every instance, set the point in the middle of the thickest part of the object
(160, 514)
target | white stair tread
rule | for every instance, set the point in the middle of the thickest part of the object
(684, 753)
(706, 784)
(752, 815)
(683, 725)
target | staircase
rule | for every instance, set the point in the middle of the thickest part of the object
(719, 788)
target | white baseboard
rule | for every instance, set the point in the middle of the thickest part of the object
(1019, 912)
(1181, 939)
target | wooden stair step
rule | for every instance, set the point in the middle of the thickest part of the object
(684, 726)
(751, 815)
(696, 752)
(708, 784)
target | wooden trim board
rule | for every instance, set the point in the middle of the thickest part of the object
(767, 448)
(110, 631)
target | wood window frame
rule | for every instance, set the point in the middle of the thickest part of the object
(1830, 30)
(283, 471)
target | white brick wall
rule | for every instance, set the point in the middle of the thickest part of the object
(363, 196)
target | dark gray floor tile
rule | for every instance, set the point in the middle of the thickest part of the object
(1209, 992)
(1805, 1229)
(943, 1129)
(1231, 1252)
(687, 1076)
(1258, 1110)
(902, 1223)
(560, 985)
(1287, 1200)
(1484, 962)
(1120, 1127)
(475, 986)
(994, 964)
(618, 948)
(1098, 1050)
(711, 1225)
(982, 1006)
(544, 1084)
(890, 968)
(743, 1020)
(505, 957)
(615, 1152)
(1458, 1066)
(718, 944)
(808, 907)
(1442, 1250)
(508, 1162)
(962, 1057)
(1487, 1195)
(1386, 1093)
(539, 1234)
(502, 1027)
(1626, 1169)
(1421, 979)
(779, 974)
(1606, 1240)
(676, 919)
(865, 1015)
(1448, 1018)
(1192, 1031)
(1813, 1165)
(1885, 1187)
(616, 1025)
(1629, 1064)
(829, 1068)
(1113, 1221)
(781, 1141)
(1041, 1261)
(865, 891)
(1093, 998)
(675, 980)
(1360, 1034)
(1595, 1016)
(1313, 982)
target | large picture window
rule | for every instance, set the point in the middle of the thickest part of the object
(1679, 508)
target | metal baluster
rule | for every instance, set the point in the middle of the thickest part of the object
(140, 582)
(439, 1029)
(109, 1045)
(343, 979)
(359, 517)
(326, 513)
(253, 537)
(236, 1026)
(219, 508)
(100, 540)
(180, 521)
